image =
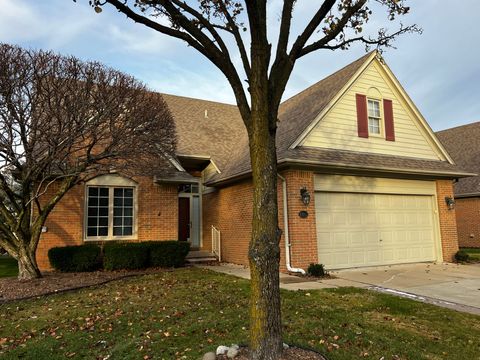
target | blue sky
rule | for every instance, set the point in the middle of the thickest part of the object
(439, 69)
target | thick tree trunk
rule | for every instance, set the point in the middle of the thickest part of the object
(27, 264)
(264, 251)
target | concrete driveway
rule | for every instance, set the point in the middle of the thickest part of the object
(450, 285)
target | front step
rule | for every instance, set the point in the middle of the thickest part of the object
(197, 257)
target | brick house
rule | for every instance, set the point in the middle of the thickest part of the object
(463, 144)
(363, 181)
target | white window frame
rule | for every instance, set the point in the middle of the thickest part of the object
(112, 182)
(380, 117)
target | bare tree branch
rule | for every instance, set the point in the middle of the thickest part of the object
(62, 122)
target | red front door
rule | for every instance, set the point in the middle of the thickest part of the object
(183, 219)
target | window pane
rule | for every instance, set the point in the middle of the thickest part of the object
(92, 231)
(374, 125)
(123, 211)
(92, 201)
(374, 108)
(97, 211)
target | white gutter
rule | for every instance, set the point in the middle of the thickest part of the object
(288, 245)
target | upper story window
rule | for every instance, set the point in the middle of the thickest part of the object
(110, 208)
(374, 117)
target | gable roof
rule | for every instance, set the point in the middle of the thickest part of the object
(206, 128)
(463, 144)
(222, 135)
(299, 111)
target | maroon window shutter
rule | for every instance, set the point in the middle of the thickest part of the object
(389, 127)
(362, 116)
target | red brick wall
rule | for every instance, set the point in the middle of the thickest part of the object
(230, 210)
(157, 217)
(468, 221)
(303, 232)
(448, 224)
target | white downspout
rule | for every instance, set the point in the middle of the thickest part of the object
(288, 245)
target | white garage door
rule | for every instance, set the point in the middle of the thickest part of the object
(358, 229)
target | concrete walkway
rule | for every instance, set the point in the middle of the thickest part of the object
(448, 285)
(288, 282)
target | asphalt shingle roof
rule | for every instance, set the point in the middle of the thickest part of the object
(214, 129)
(463, 145)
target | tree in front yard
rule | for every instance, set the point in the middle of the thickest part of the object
(226, 30)
(62, 122)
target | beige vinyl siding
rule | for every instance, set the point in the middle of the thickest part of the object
(340, 183)
(338, 129)
(208, 172)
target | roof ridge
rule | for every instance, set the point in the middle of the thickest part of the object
(198, 99)
(364, 57)
(459, 126)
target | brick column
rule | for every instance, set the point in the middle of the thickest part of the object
(448, 223)
(302, 232)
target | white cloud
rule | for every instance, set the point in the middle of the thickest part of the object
(55, 26)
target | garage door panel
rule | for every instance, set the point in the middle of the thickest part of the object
(356, 238)
(373, 229)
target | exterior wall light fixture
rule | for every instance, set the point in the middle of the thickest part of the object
(305, 195)
(450, 202)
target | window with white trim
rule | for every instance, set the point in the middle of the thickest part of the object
(374, 117)
(110, 212)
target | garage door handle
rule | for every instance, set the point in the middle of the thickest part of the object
(381, 240)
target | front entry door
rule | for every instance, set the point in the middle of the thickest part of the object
(195, 221)
(189, 219)
(183, 219)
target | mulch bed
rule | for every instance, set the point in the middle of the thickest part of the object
(292, 353)
(55, 282)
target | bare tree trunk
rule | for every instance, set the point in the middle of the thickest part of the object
(264, 251)
(27, 264)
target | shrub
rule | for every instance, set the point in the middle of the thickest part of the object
(75, 258)
(317, 270)
(462, 256)
(168, 253)
(125, 256)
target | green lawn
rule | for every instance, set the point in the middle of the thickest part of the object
(8, 266)
(474, 253)
(183, 314)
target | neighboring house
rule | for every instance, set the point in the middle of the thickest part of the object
(376, 174)
(463, 144)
